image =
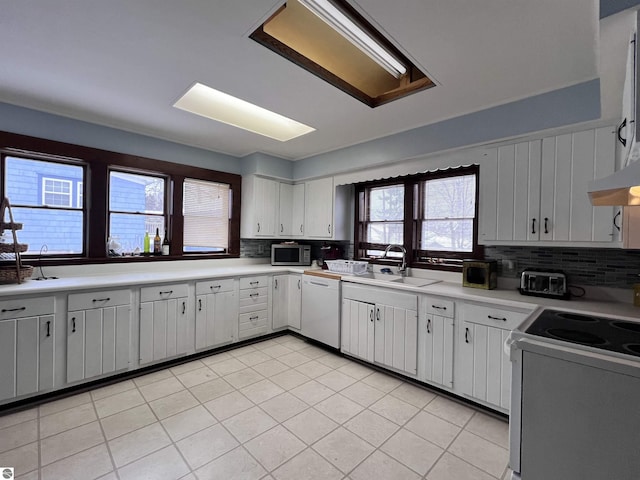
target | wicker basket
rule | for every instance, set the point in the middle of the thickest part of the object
(11, 248)
(352, 267)
(9, 274)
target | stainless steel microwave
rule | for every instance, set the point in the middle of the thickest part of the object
(290, 254)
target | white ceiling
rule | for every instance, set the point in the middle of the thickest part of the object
(123, 63)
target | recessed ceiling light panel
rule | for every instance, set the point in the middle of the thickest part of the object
(225, 108)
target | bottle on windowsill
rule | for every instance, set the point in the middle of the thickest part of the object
(146, 243)
(156, 243)
(165, 244)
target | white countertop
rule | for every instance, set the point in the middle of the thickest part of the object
(508, 297)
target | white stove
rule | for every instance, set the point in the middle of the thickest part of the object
(575, 407)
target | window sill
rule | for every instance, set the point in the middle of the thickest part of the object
(123, 259)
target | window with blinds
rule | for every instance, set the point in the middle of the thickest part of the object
(206, 211)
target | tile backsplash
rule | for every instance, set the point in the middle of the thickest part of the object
(603, 267)
(584, 266)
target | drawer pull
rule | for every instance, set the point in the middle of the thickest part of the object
(5, 310)
(254, 295)
(73, 325)
(496, 318)
(48, 328)
(215, 286)
(167, 292)
(438, 308)
(254, 283)
(256, 317)
(429, 324)
(101, 299)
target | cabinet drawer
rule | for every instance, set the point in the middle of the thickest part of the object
(439, 306)
(109, 298)
(253, 304)
(251, 320)
(254, 293)
(254, 282)
(163, 292)
(492, 316)
(27, 307)
(215, 286)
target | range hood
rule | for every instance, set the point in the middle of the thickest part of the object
(619, 188)
(623, 187)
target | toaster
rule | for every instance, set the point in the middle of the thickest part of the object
(544, 283)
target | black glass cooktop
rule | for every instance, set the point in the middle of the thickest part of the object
(593, 331)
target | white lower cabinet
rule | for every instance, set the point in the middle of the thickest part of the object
(216, 313)
(164, 328)
(484, 368)
(287, 301)
(381, 326)
(26, 346)
(438, 338)
(98, 333)
(254, 306)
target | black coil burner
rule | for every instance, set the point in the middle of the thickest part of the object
(589, 330)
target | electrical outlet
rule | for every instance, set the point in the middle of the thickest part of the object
(260, 249)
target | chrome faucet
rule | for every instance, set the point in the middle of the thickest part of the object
(402, 270)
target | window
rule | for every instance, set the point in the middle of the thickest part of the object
(384, 218)
(136, 206)
(206, 216)
(432, 215)
(56, 193)
(71, 199)
(41, 196)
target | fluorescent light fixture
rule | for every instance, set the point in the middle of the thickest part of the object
(225, 108)
(356, 35)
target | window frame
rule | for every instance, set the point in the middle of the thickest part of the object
(95, 194)
(413, 204)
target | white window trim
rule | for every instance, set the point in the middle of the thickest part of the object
(79, 195)
(69, 195)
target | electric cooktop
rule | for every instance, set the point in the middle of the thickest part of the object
(597, 332)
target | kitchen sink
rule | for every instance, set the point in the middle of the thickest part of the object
(415, 281)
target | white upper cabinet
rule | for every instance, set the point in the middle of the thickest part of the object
(536, 191)
(285, 211)
(319, 208)
(259, 207)
(297, 210)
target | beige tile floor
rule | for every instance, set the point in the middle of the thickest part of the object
(278, 409)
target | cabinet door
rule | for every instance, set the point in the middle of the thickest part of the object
(75, 346)
(27, 353)
(297, 210)
(486, 367)
(93, 320)
(202, 320)
(226, 317)
(265, 204)
(439, 342)
(116, 338)
(163, 329)
(146, 332)
(396, 338)
(319, 208)
(358, 329)
(47, 345)
(280, 301)
(294, 311)
(285, 211)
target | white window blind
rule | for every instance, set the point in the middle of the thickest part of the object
(206, 215)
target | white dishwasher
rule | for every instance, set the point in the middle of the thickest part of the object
(321, 309)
